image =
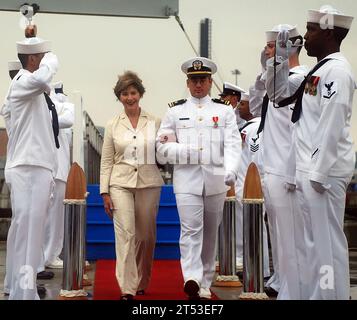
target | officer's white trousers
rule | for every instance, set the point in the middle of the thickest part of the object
(327, 274)
(30, 188)
(200, 217)
(287, 237)
(54, 231)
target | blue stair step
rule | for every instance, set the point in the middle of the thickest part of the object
(100, 231)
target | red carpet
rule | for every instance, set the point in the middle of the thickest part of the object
(166, 282)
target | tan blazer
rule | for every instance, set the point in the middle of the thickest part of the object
(128, 154)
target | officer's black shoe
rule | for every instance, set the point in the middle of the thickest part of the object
(45, 275)
(41, 291)
(271, 293)
(192, 288)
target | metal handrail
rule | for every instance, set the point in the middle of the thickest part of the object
(93, 143)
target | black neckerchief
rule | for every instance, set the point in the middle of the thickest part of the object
(297, 96)
(55, 125)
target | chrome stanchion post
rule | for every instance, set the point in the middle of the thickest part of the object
(253, 275)
(226, 240)
(227, 244)
(74, 235)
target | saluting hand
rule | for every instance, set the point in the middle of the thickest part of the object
(283, 46)
(108, 205)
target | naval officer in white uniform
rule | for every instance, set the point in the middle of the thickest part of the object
(200, 136)
(31, 164)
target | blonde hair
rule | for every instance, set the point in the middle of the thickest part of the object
(129, 78)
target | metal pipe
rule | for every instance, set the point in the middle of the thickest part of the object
(226, 239)
(253, 276)
(74, 246)
(74, 235)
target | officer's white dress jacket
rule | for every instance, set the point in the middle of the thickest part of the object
(31, 141)
(207, 145)
(65, 112)
(324, 146)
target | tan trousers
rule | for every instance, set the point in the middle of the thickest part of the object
(135, 212)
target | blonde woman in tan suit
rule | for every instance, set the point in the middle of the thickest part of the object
(130, 185)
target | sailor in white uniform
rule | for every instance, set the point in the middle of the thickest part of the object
(325, 155)
(54, 232)
(281, 205)
(31, 164)
(251, 152)
(13, 68)
(233, 94)
(202, 134)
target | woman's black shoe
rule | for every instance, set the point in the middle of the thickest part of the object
(127, 297)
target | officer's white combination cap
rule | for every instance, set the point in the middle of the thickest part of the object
(272, 34)
(199, 66)
(33, 45)
(231, 89)
(329, 17)
(14, 65)
(245, 97)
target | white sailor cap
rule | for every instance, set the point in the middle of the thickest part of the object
(245, 96)
(199, 66)
(329, 17)
(272, 35)
(14, 65)
(33, 45)
(231, 89)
